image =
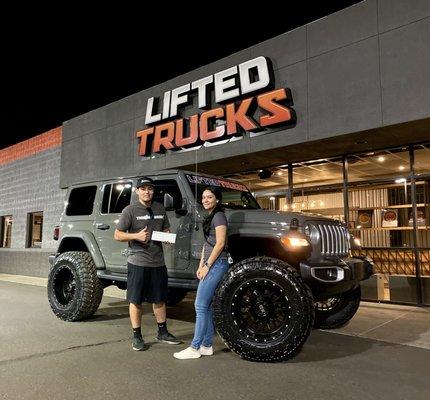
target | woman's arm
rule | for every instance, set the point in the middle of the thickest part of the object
(221, 237)
(202, 258)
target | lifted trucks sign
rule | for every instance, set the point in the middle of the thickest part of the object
(204, 180)
(268, 107)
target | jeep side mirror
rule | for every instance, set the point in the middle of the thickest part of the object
(184, 209)
(168, 202)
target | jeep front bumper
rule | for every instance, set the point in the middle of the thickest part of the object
(331, 276)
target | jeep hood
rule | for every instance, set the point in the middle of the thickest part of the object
(274, 218)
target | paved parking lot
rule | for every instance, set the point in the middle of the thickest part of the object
(384, 353)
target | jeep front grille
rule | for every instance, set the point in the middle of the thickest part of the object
(334, 239)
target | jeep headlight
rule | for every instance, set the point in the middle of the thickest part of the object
(295, 242)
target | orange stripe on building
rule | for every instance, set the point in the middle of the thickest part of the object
(29, 147)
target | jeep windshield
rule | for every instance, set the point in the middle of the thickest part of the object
(234, 195)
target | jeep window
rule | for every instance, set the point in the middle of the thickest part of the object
(171, 187)
(81, 201)
(234, 195)
(116, 197)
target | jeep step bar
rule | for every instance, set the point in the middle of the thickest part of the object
(173, 282)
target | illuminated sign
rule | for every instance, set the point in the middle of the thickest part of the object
(268, 107)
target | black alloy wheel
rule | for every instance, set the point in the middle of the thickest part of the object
(261, 309)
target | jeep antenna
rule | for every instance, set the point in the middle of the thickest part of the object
(196, 227)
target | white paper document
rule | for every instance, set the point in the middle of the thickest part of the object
(163, 237)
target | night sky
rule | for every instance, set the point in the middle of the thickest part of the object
(56, 68)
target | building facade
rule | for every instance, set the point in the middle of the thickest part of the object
(31, 202)
(332, 117)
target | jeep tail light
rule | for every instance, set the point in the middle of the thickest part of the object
(56, 233)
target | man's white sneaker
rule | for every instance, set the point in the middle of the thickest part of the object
(187, 354)
(206, 351)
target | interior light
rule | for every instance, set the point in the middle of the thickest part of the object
(401, 168)
(279, 173)
(271, 198)
(381, 158)
(400, 180)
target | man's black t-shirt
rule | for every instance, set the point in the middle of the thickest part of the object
(133, 219)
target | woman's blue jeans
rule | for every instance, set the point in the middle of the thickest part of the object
(204, 330)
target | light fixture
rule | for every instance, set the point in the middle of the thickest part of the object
(279, 173)
(400, 180)
(401, 167)
(381, 158)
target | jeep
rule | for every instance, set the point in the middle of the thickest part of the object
(291, 272)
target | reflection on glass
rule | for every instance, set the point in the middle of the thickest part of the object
(379, 165)
(326, 171)
(422, 159)
(6, 230)
(35, 229)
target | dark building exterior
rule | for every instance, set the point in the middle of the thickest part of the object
(334, 116)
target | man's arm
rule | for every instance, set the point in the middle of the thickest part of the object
(142, 236)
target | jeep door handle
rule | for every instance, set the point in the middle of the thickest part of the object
(103, 227)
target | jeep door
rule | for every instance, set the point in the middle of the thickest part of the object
(113, 198)
(177, 255)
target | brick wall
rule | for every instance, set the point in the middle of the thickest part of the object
(31, 146)
(29, 182)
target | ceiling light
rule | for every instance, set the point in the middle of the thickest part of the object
(400, 180)
(401, 167)
(279, 173)
(381, 158)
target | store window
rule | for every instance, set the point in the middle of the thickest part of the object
(34, 229)
(81, 201)
(422, 159)
(318, 188)
(381, 216)
(6, 230)
(116, 197)
(379, 165)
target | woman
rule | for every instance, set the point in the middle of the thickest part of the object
(213, 265)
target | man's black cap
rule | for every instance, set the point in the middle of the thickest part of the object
(144, 181)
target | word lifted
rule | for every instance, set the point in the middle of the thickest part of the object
(272, 108)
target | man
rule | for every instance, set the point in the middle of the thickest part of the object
(146, 270)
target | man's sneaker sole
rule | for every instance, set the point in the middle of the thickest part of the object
(169, 341)
(140, 349)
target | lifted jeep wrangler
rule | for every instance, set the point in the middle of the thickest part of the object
(291, 272)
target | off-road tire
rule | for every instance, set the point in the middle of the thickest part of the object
(175, 296)
(338, 310)
(262, 309)
(74, 291)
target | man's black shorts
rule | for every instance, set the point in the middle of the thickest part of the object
(146, 284)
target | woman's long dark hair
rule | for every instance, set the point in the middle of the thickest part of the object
(207, 221)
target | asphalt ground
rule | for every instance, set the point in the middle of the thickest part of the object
(384, 353)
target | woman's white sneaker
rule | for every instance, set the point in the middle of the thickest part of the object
(206, 351)
(187, 354)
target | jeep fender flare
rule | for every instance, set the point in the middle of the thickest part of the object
(244, 245)
(88, 239)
